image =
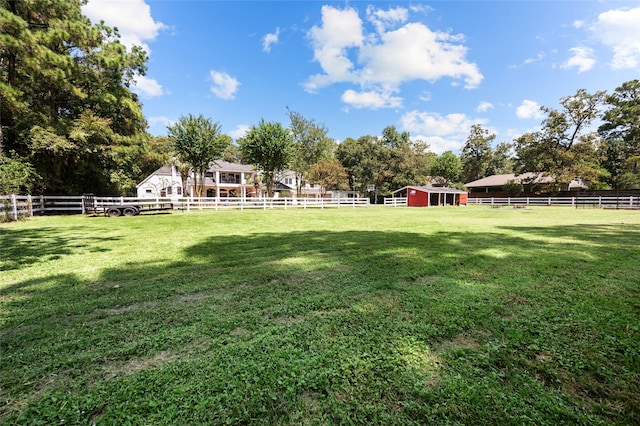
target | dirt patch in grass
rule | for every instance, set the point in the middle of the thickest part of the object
(190, 298)
(135, 365)
(458, 342)
(118, 310)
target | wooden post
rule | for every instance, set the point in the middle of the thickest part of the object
(30, 205)
(14, 203)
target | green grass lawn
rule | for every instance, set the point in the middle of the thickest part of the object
(352, 316)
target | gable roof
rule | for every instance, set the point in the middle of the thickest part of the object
(501, 180)
(434, 189)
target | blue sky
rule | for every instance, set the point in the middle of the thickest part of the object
(430, 68)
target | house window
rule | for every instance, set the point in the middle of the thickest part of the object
(179, 190)
(169, 190)
(288, 181)
(149, 191)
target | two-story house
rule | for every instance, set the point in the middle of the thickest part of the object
(223, 179)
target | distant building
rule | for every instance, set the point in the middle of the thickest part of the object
(286, 188)
(496, 183)
(223, 179)
(427, 196)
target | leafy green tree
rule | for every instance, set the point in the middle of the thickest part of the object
(330, 175)
(269, 147)
(476, 154)
(388, 162)
(197, 141)
(16, 175)
(361, 158)
(446, 169)
(621, 131)
(501, 161)
(562, 148)
(232, 154)
(311, 146)
(66, 104)
(393, 139)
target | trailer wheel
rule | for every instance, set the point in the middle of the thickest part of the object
(129, 211)
(113, 212)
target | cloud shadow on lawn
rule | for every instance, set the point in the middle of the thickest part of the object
(295, 321)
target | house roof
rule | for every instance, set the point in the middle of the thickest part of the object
(501, 180)
(225, 166)
(435, 189)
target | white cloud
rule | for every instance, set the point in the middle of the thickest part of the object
(529, 109)
(382, 61)
(383, 19)
(132, 18)
(540, 56)
(443, 133)
(582, 59)
(146, 86)
(484, 106)
(578, 24)
(160, 120)
(240, 131)
(340, 30)
(224, 86)
(270, 39)
(371, 99)
(620, 30)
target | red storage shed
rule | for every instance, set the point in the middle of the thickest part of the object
(426, 196)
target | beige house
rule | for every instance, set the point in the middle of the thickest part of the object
(496, 183)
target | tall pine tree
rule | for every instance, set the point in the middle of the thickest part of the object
(66, 104)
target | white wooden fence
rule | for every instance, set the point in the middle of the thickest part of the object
(395, 202)
(630, 202)
(13, 207)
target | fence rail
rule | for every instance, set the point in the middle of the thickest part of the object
(12, 207)
(396, 201)
(629, 202)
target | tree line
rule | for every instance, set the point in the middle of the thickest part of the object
(71, 124)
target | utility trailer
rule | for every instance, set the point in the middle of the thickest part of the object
(91, 205)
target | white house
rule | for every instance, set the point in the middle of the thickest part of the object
(286, 188)
(223, 179)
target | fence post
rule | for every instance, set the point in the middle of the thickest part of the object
(30, 205)
(600, 202)
(509, 201)
(573, 201)
(492, 201)
(14, 203)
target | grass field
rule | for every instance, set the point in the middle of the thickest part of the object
(352, 316)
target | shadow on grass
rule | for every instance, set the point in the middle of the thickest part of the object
(331, 327)
(28, 246)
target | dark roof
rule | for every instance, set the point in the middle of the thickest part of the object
(225, 166)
